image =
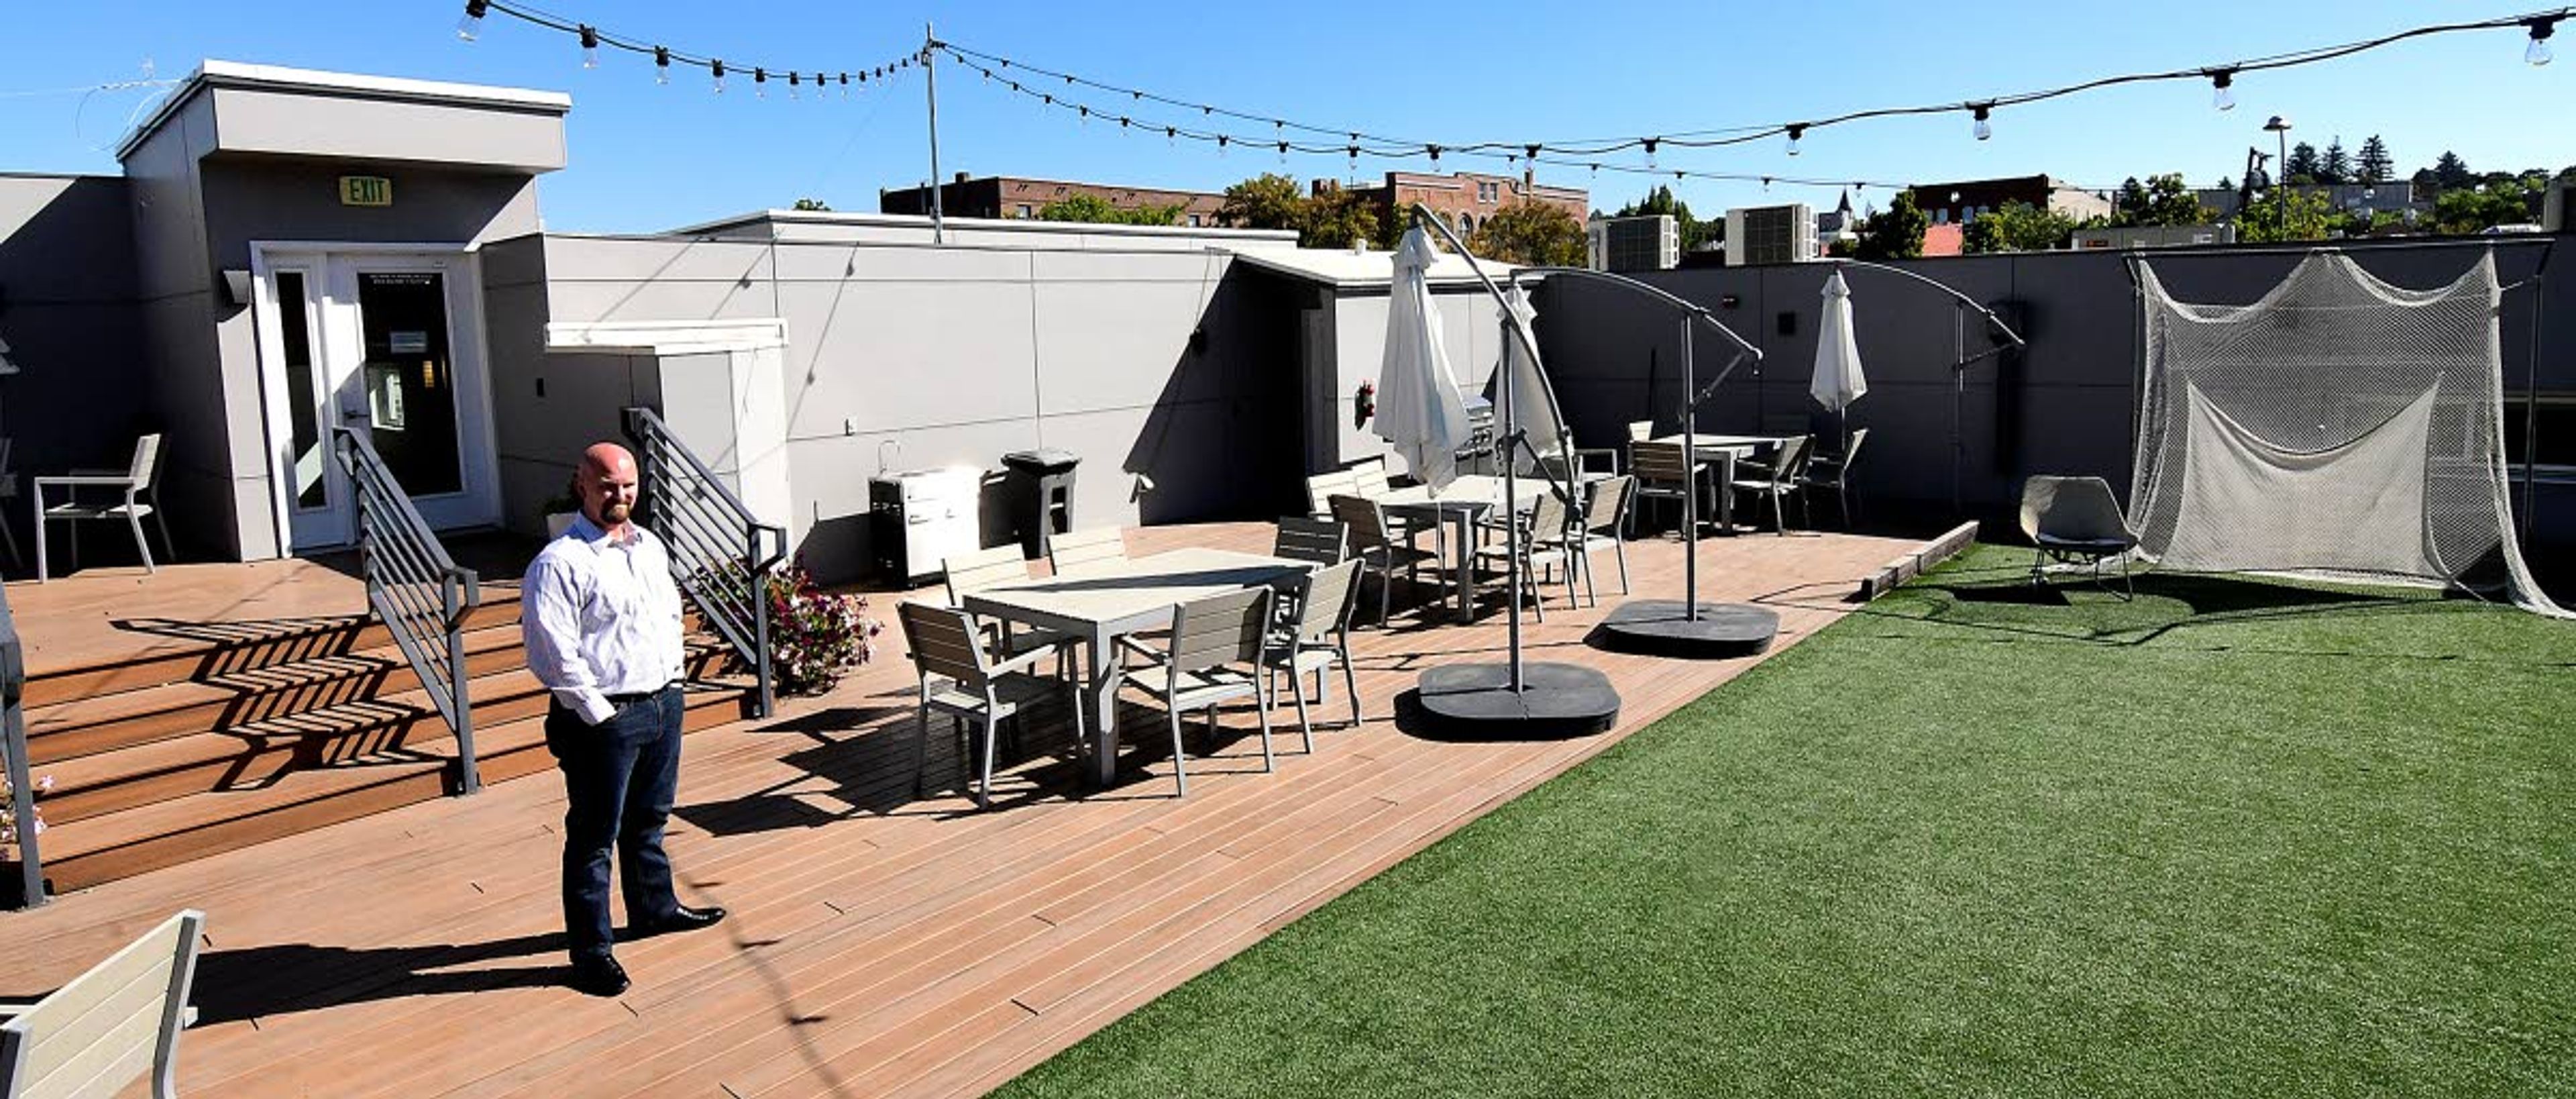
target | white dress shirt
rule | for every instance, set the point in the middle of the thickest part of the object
(601, 616)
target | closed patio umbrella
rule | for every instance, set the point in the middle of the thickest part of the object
(1838, 381)
(1534, 401)
(1418, 406)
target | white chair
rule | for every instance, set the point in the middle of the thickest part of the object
(1077, 552)
(2077, 519)
(139, 498)
(960, 680)
(101, 1032)
(1322, 487)
(968, 573)
(1317, 638)
(1218, 649)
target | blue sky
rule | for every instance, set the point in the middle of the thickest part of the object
(647, 158)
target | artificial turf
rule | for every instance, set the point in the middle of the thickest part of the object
(2234, 837)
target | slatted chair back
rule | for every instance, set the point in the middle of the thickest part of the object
(1324, 602)
(1322, 487)
(944, 643)
(1657, 463)
(1547, 518)
(1791, 459)
(1369, 479)
(1608, 503)
(147, 454)
(1367, 524)
(1074, 553)
(109, 1026)
(1315, 541)
(1641, 430)
(969, 573)
(1851, 451)
(1233, 628)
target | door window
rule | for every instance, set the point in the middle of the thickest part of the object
(408, 378)
(295, 334)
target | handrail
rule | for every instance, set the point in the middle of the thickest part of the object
(404, 563)
(13, 746)
(720, 552)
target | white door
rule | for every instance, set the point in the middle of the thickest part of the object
(388, 344)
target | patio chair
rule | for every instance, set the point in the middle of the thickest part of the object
(139, 498)
(1075, 553)
(1317, 638)
(1376, 551)
(1605, 519)
(2076, 519)
(1832, 471)
(968, 573)
(959, 679)
(1218, 650)
(8, 491)
(1369, 478)
(1316, 542)
(1662, 474)
(1545, 542)
(1775, 482)
(1640, 430)
(101, 1032)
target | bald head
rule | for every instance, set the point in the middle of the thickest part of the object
(606, 485)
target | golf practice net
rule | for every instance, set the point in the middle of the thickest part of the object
(2339, 427)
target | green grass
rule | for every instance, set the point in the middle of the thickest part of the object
(2232, 838)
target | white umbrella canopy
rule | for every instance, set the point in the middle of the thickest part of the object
(1838, 381)
(1419, 410)
(1534, 409)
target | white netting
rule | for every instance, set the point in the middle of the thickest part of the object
(2340, 426)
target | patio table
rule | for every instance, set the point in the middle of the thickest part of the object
(1464, 501)
(1727, 449)
(1112, 600)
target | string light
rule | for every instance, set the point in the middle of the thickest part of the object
(1796, 130)
(470, 25)
(760, 82)
(791, 85)
(718, 69)
(1985, 128)
(2222, 83)
(2538, 53)
(589, 47)
(661, 65)
(1650, 152)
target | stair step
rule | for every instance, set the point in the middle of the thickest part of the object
(231, 648)
(166, 833)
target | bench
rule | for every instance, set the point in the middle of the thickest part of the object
(99, 1033)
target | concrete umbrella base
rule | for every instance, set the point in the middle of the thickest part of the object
(1475, 701)
(1664, 627)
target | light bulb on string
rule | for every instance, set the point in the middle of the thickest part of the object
(1085, 119)
(1435, 154)
(1985, 127)
(2222, 83)
(759, 82)
(1796, 130)
(470, 25)
(1650, 152)
(589, 48)
(2538, 52)
(792, 84)
(1283, 152)
(845, 85)
(717, 67)
(819, 93)
(1171, 137)
(661, 65)
(1354, 151)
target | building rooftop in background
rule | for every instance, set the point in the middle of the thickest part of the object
(1465, 199)
(1963, 200)
(1022, 197)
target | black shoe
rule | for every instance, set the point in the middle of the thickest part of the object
(682, 918)
(600, 976)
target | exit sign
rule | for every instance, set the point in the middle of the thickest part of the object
(366, 191)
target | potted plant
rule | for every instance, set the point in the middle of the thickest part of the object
(815, 636)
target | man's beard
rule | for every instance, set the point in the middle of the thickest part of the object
(615, 513)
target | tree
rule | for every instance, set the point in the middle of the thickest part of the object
(2226, 184)
(2451, 171)
(2286, 214)
(1530, 233)
(2161, 200)
(2336, 166)
(1895, 233)
(1336, 218)
(1266, 201)
(2302, 167)
(811, 204)
(2375, 165)
(1097, 210)
(2017, 227)
(2473, 209)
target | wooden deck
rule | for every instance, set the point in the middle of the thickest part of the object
(880, 944)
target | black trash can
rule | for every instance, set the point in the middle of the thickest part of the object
(1048, 510)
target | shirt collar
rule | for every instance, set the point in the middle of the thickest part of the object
(590, 533)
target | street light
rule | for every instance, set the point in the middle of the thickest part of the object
(2280, 125)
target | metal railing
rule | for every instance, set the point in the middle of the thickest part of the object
(416, 590)
(720, 552)
(13, 746)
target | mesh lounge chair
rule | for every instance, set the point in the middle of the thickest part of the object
(959, 680)
(2076, 519)
(140, 499)
(1832, 471)
(1217, 652)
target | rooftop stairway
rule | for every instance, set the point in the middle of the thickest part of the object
(275, 728)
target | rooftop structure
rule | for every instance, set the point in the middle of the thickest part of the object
(1022, 197)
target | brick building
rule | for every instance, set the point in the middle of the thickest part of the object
(1466, 199)
(1021, 197)
(1962, 201)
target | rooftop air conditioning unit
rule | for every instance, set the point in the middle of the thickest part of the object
(1770, 234)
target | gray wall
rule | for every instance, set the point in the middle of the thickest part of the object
(68, 311)
(2067, 406)
(1174, 381)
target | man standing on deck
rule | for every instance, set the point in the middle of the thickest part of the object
(601, 618)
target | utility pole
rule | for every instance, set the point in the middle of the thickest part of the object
(930, 81)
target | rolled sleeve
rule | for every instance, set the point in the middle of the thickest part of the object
(550, 626)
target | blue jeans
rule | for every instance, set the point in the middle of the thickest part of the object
(619, 778)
